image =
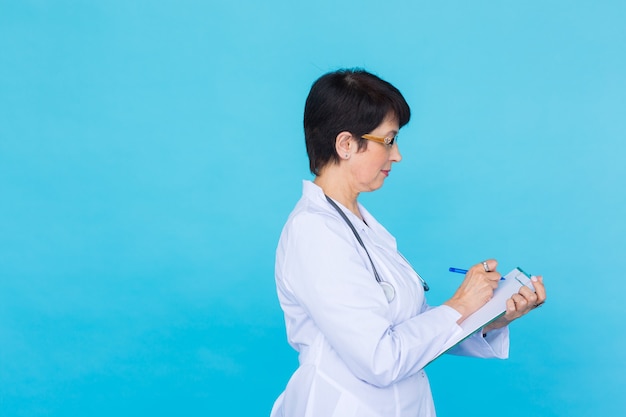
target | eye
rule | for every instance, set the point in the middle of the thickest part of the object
(391, 141)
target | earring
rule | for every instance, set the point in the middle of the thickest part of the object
(347, 155)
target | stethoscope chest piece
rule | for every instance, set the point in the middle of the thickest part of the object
(390, 292)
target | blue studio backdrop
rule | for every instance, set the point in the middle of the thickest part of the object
(150, 152)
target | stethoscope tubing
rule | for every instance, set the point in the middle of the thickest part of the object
(387, 287)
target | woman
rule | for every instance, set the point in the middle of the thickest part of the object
(354, 308)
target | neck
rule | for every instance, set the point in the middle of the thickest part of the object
(338, 191)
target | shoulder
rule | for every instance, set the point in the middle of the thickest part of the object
(310, 219)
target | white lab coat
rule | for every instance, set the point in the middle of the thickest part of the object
(359, 354)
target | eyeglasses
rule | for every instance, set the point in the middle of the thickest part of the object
(389, 141)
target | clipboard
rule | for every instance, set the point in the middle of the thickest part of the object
(509, 285)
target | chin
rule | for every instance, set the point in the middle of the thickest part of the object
(375, 187)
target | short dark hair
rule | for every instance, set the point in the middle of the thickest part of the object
(351, 100)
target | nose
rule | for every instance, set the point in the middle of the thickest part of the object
(395, 155)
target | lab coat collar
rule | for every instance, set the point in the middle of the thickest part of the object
(315, 194)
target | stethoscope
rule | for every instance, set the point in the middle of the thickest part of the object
(388, 289)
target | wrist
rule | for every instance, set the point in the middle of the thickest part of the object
(496, 324)
(459, 307)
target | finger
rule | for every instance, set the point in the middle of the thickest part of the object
(494, 276)
(489, 265)
(528, 294)
(512, 310)
(540, 289)
(521, 303)
(487, 269)
(510, 305)
(493, 282)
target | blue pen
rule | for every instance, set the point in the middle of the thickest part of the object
(464, 271)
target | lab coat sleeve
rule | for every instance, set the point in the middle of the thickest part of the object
(494, 345)
(324, 269)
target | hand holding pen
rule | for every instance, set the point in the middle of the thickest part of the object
(476, 289)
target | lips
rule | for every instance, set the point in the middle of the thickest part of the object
(386, 172)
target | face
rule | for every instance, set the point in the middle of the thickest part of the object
(370, 167)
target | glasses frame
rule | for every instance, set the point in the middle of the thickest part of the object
(389, 141)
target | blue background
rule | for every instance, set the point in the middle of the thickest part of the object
(150, 152)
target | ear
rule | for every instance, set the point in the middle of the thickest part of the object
(344, 143)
